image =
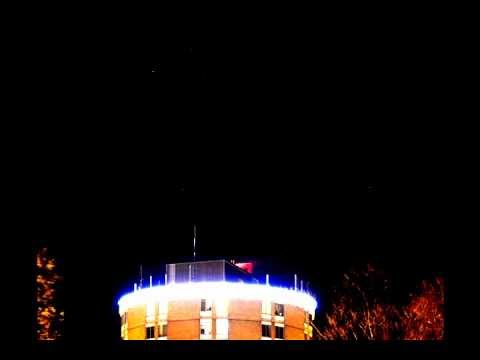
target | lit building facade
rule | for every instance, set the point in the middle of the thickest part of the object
(215, 301)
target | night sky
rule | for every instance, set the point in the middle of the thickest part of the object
(268, 169)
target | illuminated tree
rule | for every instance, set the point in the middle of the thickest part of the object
(362, 310)
(49, 318)
(358, 312)
(423, 318)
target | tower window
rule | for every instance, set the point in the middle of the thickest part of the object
(150, 312)
(162, 310)
(124, 327)
(279, 310)
(279, 333)
(206, 305)
(308, 318)
(222, 329)
(162, 330)
(221, 308)
(266, 331)
(151, 332)
(205, 329)
(266, 307)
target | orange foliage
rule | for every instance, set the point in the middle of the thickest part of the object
(47, 280)
(423, 318)
(359, 313)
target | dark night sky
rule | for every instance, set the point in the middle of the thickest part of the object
(241, 162)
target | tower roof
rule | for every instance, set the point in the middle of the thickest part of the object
(213, 270)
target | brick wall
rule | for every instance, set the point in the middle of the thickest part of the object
(294, 323)
(136, 323)
(244, 321)
(184, 320)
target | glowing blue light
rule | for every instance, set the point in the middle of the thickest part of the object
(218, 290)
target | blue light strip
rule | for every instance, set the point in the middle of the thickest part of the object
(218, 290)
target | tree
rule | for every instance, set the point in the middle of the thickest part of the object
(423, 318)
(49, 318)
(359, 311)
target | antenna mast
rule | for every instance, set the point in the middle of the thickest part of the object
(194, 241)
